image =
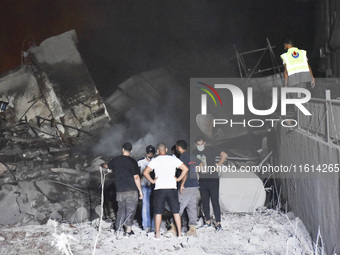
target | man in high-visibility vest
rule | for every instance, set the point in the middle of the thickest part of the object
(297, 70)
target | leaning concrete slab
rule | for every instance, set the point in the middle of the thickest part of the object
(55, 86)
(144, 88)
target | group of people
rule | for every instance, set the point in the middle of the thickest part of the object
(178, 192)
(174, 183)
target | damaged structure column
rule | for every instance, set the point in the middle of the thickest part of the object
(51, 100)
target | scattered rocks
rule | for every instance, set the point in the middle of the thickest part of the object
(37, 186)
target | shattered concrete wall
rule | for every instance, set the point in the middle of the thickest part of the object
(313, 197)
(59, 58)
(54, 84)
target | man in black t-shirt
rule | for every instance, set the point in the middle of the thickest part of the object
(127, 187)
(209, 182)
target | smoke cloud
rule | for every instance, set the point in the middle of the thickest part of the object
(150, 120)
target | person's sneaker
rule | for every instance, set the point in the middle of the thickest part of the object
(218, 227)
(128, 234)
(206, 225)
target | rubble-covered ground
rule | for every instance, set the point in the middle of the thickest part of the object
(261, 232)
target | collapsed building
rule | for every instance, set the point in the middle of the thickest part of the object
(51, 104)
(48, 104)
(54, 87)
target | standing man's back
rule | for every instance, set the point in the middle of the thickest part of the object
(127, 187)
(165, 185)
(297, 70)
(125, 169)
(165, 171)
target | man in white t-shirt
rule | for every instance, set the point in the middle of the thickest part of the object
(165, 186)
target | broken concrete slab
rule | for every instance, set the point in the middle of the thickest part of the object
(80, 100)
(156, 82)
(59, 49)
(31, 201)
(25, 203)
(80, 215)
(95, 166)
(58, 89)
(12, 150)
(30, 154)
(9, 208)
(30, 175)
(56, 150)
(64, 170)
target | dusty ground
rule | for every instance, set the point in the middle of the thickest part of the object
(262, 232)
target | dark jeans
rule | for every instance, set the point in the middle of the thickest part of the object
(127, 206)
(209, 189)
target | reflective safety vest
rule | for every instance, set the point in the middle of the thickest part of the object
(295, 60)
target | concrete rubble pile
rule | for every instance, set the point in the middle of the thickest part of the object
(44, 180)
(48, 105)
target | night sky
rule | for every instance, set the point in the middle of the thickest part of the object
(121, 38)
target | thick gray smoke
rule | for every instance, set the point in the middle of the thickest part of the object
(149, 120)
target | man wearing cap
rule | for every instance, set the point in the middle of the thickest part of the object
(128, 187)
(165, 182)
(146, 188)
